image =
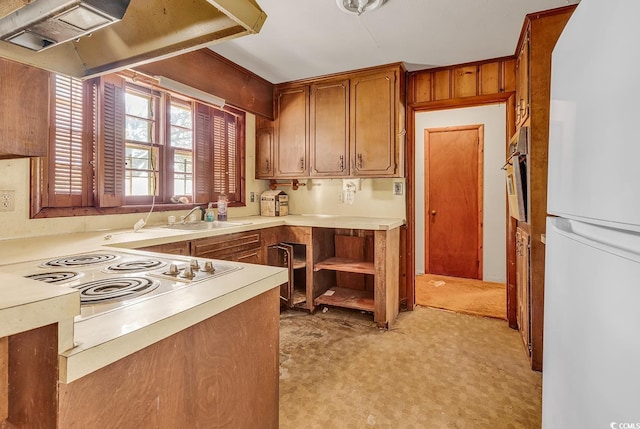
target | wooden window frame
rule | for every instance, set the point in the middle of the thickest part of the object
(94, 201)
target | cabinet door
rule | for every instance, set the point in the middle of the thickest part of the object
(292, 130)
(24, 107)
(523, 287)
(522, 82)
(373, 131)
(329, 129)
(264, 153)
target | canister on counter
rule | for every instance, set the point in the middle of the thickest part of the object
(274, 203)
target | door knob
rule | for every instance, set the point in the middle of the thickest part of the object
(433, 212)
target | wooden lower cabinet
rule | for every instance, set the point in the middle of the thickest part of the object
(239, 247)
(219, 373)
(350, 268)
(523, 287)
(359, 269)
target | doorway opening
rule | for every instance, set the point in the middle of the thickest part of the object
(460, 208)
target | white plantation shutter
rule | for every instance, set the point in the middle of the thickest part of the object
(66, 183)
(219, 164)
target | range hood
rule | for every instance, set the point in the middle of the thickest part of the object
(87, 38)
(45, 23)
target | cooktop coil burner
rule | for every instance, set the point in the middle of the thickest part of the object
(54, 276)
(115, 289)
(80, 260)
(135, 265)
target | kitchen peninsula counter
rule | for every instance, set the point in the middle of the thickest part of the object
(105, 338)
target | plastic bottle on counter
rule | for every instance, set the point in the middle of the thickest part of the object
(222, 207)
(210, 216)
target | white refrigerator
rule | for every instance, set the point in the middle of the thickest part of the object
(591, 355)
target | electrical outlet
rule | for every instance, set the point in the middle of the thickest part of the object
(397, 188)
(7, 201)
(340, 198)
(252, 197)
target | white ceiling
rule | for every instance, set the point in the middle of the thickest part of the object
(308, 38)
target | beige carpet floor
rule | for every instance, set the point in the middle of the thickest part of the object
(434, 369)
(466, 296)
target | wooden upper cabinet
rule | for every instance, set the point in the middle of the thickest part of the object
(373, 125)
(347, 125)
(522, 81)
(24, 110)
(264, 149)
(292, 130)
(329, 129)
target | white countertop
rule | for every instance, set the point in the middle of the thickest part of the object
(26, 304)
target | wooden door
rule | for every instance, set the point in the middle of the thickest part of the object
(292, 123)
(329, 129)
(453, 201)
(373, 132)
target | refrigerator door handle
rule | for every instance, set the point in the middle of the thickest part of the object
(622, 243)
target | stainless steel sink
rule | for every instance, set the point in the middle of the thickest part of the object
(204, 226)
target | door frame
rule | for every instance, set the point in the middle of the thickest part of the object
(480, 195)
(410, 168)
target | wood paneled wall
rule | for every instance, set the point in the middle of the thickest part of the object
(207, 71)
(460, 81)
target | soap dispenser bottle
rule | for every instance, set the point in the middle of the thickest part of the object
(210, 216)
(222, 207)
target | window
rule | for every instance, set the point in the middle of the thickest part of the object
(141, 143)
(118, 146)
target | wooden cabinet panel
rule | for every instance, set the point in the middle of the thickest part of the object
(442, 85)
(523, 287)
(489, 79)
(522, 82)
(483, 78)
(292, 130)
(264, 150)
(241, 246)
(373, 131)
(329, 129)
(465, 81)
(24, 110)
(178, 248)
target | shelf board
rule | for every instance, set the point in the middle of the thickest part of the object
(299, 262)
(347, 298)
(346, 265)
(299, 297)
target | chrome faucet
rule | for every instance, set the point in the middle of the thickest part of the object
(202, 212)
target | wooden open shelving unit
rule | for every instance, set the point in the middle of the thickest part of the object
(357, 269)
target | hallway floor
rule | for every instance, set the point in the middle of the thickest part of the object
(434, 369)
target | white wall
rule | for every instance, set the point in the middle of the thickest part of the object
(494, 227)
(374, 199)
(15, 175)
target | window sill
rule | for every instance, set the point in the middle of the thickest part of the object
(53, 212)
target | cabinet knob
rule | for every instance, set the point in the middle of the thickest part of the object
(433, 212)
